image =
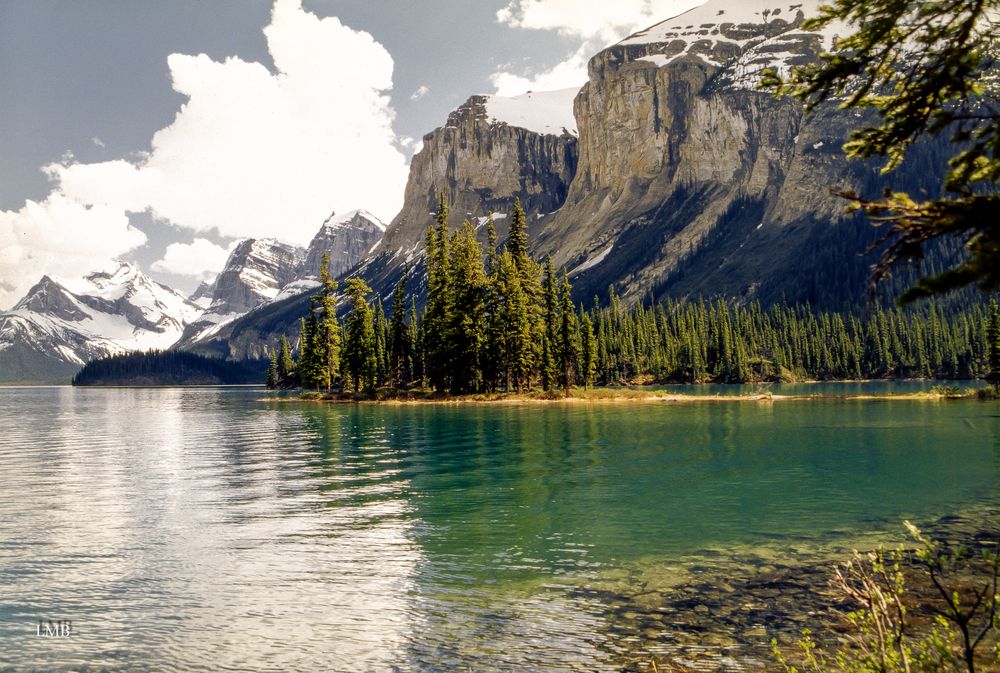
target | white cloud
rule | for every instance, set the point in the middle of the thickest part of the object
(98, 142)
(569, 73)
(59, 236)
(199, 259)
(421, 91)
(251, 153)
(594, 23)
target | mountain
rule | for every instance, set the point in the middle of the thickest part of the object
(667, 174)
(691, 182)
(61, 324)
(491, 150)
(679, 179)
(254, 274)
(347, 238)
(262, 274)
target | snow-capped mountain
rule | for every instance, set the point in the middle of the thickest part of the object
(62, 323)
(744, 38)
(260, 272)
(542, 112)
(256, 271)
(347, 238)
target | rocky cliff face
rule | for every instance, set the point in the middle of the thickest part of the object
(689, 180)
(491, 151)
(673, 176)
(346, 238)
(256, 271)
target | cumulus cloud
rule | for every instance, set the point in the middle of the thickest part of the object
(251, 153)
(59, 236)
(421, 91)
(571, 72)
(594, 23)
(199, 259)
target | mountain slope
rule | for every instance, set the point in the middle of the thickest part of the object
(61, 324)
(693, 183)
(256, 271)
(347, 239)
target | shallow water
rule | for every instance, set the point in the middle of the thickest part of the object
(204, 529)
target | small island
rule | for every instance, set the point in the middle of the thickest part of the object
(499, 326)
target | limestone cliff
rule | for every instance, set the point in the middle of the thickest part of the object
(690, 181)
(491, 151)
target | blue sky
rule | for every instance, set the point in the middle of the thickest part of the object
(127, 127)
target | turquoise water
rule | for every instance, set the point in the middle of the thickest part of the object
(205, 529)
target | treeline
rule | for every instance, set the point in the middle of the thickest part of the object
(496, 320)
(167, 368)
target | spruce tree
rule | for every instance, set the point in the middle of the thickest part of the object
(399, 361)
(993, 345)
(467, 329)
(416, 346)
(286, 365)
(381, 331)
(588, 360)
(310, 367)
(568, 337)
(528, 272)
(272, 370)
(437, 315)
(327, 337)
(516, 347)
(490, 360)
(359, 349)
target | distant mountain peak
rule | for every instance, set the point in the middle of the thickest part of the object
(62, 323)
(351, 218)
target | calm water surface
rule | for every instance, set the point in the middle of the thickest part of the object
(206, 530)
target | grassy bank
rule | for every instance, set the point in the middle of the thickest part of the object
(601, 395)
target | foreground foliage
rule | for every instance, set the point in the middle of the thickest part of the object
(925, 68)
(885, 636)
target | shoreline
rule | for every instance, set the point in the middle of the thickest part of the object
(608, 395)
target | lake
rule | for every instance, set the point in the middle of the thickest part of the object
(204, 529)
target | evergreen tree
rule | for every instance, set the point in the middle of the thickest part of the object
(490, 361)
(310, 367)
(467, 330)
(528, 272)
(588, 364)
(285, 365)
(327, 336)
(568, 337)
(272, 371)
(547, 365)
(359, 349)
(993, 341)
(381, 329)
(416, 346)
(400, 365)
(438, 313)
(551, 346)
(516, 352)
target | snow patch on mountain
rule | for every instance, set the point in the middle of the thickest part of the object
(70, 321)
(743, 38)
(544, 112)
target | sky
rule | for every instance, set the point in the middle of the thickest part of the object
(163, 131)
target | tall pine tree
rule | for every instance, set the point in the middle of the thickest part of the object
(359, 349)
